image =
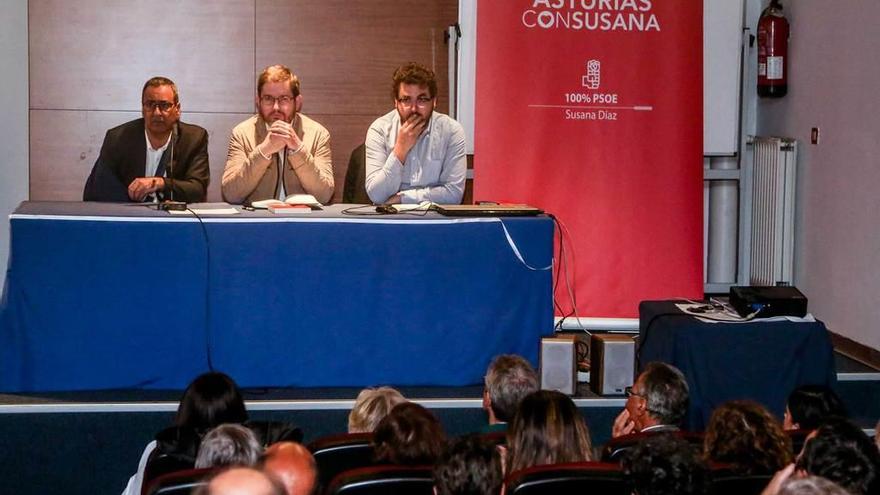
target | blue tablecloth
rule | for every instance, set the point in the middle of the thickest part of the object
(758, 360)
(104, 296)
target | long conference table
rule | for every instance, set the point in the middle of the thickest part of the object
(114, 296)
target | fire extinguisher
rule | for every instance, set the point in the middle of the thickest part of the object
(773, 52)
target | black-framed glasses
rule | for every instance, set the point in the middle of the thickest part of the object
(628, 391)
(421, 101)
(163, 106)
(270, 100)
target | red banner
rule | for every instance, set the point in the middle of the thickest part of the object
(592, 110)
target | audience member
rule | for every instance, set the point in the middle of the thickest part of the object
(470, 466)
(293, 465)
(809, 405)
(228, 445)
(408, 435)
(656, 402)
(841, 452)
(241, 481)
(547, 429)
(508, 380)
(371, 405)
(745, 435)
(210, 400)
(665, 465)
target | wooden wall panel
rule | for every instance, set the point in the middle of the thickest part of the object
(346, 50)
(63, 148)
(97, 54)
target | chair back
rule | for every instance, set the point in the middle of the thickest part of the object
(573, 478)
(337, 453)
(355, 190)
(384, 480)
(178, 482)
(616, 448)
(726, 483)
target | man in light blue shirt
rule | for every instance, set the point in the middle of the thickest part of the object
(415, 154)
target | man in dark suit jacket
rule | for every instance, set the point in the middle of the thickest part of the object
(135, 160)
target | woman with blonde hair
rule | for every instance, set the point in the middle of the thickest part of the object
(371, 405)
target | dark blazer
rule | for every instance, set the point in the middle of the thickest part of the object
(124, 155)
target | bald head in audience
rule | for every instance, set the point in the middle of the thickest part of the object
(293, 465)
(242, 481)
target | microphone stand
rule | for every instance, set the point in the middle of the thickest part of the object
(170, 204)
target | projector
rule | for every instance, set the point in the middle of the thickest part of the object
(766, 302)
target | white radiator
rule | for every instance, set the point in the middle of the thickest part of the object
(773, 190)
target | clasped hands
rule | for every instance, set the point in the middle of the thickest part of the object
(281, 134)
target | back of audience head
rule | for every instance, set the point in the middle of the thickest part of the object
(547, 429)
(666, 393)
(745, 435)
(371, 405)
(841, 452)
(409, 435)
(241, 481)
(228, 445)
(664, 464)
(811, 485)
(210, 400)
(809, 405)
(469, 466)
(293, 465)
(508, 380)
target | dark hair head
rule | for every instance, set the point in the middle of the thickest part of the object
(408, 435)
(470, 466)
(547, 429)
(157, 81)
(809, 405)
(278, 73)
(414, 73)
(210, 400)
(841, 452)
(508, 380)
(665, 465)
(666, 392)
(745, 435)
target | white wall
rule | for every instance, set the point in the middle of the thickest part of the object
(834, 79)
(14, 124)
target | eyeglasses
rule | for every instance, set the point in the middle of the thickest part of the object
(628, 391)
(163, 106)
(270, 100)
(421, 101)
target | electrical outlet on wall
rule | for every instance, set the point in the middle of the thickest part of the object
(814, 135)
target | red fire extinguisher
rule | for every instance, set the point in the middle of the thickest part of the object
(773, 51)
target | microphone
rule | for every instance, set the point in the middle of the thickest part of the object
(170, 204)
